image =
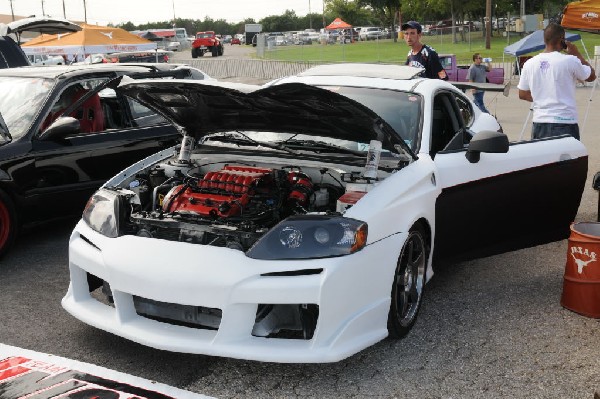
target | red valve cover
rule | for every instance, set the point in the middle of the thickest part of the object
(223, 193)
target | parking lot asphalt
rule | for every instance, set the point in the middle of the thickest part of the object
(488, 328)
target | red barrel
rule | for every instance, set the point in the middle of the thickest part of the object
(581, 286)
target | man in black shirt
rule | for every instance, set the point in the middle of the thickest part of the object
(421, 55)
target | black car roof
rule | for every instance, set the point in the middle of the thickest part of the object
(53, 72)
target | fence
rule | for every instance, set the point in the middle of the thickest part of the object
(260, 69)
(271, 69)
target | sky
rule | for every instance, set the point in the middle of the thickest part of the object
(103, 12)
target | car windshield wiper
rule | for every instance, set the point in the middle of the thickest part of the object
(321, 146)
(241, 138)
(4, 132)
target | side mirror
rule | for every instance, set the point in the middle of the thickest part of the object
(62, 127)
(486, 141)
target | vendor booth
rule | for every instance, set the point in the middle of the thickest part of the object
(91, 39)
(344, 30)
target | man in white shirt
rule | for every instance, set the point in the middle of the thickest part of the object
(549, 80)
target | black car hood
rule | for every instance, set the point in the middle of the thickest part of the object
(202, 108)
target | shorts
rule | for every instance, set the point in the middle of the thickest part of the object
(543, 130)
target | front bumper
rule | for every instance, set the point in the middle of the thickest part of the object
(352, 294)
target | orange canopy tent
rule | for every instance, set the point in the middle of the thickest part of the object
(90, 39)
(584, 15)
(338, 24)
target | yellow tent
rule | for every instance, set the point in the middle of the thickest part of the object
(91, 39)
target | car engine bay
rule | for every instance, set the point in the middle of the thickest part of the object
(230, 200)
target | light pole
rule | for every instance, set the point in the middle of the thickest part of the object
(84, 12)
(64, 10)
(309, 16)
(11, 10)
(488, 23)
(43, 12)
(174, 14)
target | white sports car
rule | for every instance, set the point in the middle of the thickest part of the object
(299, 222)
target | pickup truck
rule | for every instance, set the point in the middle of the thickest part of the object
(458, 73)
(205, 42)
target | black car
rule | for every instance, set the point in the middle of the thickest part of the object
(64, 131)
(11, 54)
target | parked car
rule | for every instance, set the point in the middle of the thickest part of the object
(499, 23)
(459, 73)
(304, 225)
(45, 59)
(302, 38)
(440, 28)
(473, 25)
(172, 45)
(236, 40)
(370, 33)
(61, 137)
(11, 54)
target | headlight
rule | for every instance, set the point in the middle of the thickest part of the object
(310, 237)
(101, 213)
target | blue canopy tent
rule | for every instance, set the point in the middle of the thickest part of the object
(535, 42)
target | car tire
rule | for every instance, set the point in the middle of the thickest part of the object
(408, 284)
(8, 223)
(214, 51)
(194, 53)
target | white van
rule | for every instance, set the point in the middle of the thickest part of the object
(44, 59)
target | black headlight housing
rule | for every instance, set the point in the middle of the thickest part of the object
(311, 237)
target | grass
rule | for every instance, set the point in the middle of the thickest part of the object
(386, 51)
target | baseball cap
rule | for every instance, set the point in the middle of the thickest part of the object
(412, 25)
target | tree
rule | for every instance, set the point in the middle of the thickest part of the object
(281, 23)
(348, 10)
(128, 26)
(386, 10)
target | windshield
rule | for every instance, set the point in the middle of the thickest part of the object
(21, 101)
(401, 110)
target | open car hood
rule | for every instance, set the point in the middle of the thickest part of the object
(201, 108)
(51, 26)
